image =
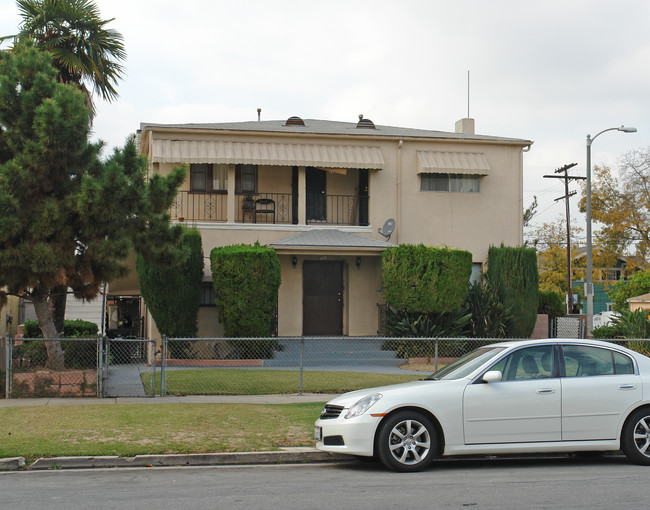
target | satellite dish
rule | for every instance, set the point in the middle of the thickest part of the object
(387, 229)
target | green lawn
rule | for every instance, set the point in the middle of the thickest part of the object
(218, 381)
(135, 429)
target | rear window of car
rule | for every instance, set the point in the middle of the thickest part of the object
(587, 361)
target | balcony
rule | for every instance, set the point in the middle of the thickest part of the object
(271, 208)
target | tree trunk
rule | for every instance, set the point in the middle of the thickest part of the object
(59, 298)
(46, 322)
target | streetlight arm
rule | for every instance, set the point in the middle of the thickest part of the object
(625, 129)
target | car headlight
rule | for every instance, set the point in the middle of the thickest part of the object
(363, 405)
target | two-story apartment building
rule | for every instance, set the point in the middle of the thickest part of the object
(318, 191)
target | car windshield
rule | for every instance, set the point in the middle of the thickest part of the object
(466, 364)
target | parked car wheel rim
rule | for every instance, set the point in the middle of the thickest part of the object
(409, 442)
(642, 436)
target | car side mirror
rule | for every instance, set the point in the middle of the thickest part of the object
(492, 376)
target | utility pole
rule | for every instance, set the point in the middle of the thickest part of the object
(565, 170)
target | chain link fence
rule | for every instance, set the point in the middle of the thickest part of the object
(102, 367)
(77, 367)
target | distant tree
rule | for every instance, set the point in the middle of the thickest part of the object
(636, 285)
(514, 272)
(68, 220)
(622, 207)
(530, 212)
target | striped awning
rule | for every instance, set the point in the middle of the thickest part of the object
(282, 154)
(472, 163)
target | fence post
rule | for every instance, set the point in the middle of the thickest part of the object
(153, 348)
(435, 366)
(302, 352)
(7, 365)
(163, 363)
(100, 366)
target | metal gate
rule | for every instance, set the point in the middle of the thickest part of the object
(128, 367)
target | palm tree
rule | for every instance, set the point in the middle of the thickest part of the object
(83, 50)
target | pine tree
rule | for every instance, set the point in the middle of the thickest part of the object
(67, 219)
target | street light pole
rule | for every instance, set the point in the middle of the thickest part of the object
(589, 287)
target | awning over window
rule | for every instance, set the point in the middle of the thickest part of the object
(283, 154)
(472, 163)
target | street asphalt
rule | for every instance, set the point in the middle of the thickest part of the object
(283, 456)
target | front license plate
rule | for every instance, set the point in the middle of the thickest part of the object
(318, 433)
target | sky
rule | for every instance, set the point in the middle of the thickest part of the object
(548, 71)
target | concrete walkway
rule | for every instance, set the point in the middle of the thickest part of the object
(294, 398)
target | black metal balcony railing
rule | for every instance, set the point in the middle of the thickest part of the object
(269, 208)
(337, 209)
(193, 206)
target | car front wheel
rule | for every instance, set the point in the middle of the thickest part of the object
(406, 441)
(635, 439)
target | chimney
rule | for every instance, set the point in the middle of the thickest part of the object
(465, 126)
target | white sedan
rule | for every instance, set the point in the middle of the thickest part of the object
(514, 397)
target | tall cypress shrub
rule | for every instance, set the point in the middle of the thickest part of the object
(514, 272)
(172, 291)
(246, 281)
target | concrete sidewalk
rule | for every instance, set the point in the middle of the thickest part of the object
(293, 398)
(284, 456)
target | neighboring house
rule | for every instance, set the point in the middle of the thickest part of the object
(604, 279)
(318, 191)
(641, 302)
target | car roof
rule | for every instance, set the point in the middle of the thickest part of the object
(537, 341)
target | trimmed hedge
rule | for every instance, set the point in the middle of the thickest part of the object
(552, 304)
(246, 281)
(172, 292)
(76, 328)
(78, 354)
(514, 272)
(422, 279)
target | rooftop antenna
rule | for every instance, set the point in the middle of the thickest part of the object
(387, 229)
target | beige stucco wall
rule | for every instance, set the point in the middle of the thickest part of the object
(469, 221)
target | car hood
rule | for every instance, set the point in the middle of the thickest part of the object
(348, 399)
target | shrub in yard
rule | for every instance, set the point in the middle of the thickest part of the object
(606, 332)
(490, 316)
(246, 281)
(552, 304)
(172, 291)
(422, 279)
(78, 354)
(400, 323)
(514, 273)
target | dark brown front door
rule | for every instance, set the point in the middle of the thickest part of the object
(322, 304)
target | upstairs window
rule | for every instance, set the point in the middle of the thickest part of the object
(205, 177)
(452, 183)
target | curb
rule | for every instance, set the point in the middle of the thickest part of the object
(12, 463)
(286, 456)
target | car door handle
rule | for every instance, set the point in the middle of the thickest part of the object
(626, 386)
(545, 391)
